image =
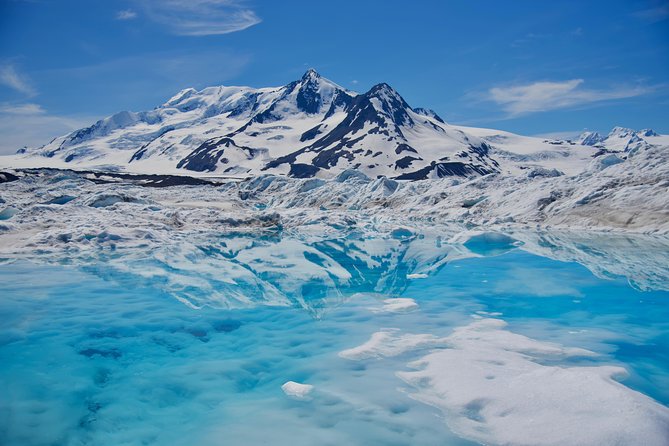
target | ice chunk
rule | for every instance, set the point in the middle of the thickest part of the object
(352, 175)
(311, 184)
(417, 276)
(297, 390)
(543, 172)
(471, 202)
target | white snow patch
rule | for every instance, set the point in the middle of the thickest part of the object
(397, 305)
(493, 389)
(388, 343)
(297, 390)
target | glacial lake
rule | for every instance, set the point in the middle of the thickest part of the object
(193, 345)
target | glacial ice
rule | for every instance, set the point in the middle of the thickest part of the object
(7, 213)
(389, 343)
(165, 224)
(498, 387)
(297, 390)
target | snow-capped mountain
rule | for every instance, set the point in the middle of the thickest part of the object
(590, 138)
(620, 139)
(381, 135)
(311, 127)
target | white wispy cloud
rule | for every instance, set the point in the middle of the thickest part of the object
(154, 75)
(126, 14)
(200, 17)
(10, 77)
(21, 109)
(655, 14)
(544, 96)
(30, 125)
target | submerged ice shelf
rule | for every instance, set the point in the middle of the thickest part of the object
(97, 350)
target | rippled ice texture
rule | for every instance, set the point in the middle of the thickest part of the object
(406, 340)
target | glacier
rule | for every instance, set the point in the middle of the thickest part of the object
(338, 264)
(82, 212)
(271, 223)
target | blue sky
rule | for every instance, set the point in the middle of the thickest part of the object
(531, 67)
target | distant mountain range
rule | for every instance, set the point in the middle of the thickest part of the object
(311, 127)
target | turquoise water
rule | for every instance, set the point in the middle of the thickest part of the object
(98, 354)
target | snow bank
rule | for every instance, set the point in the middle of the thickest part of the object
(498, 387)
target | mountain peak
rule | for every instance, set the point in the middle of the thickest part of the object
(390, 102)
(310, 75)
(388, 94)
(590, 138)
(382, 88)
(308, 127)
(621, 132)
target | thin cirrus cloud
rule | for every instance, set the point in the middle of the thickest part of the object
(30, 125)
(10, 77)
(27, 124)
(126, 14)
(21, 109)
(656, 14)
(200, 17)
(536, 97)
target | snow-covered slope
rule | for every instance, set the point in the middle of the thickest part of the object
(311, 128)
(518, 153)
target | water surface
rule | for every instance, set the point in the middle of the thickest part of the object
(192, 345)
